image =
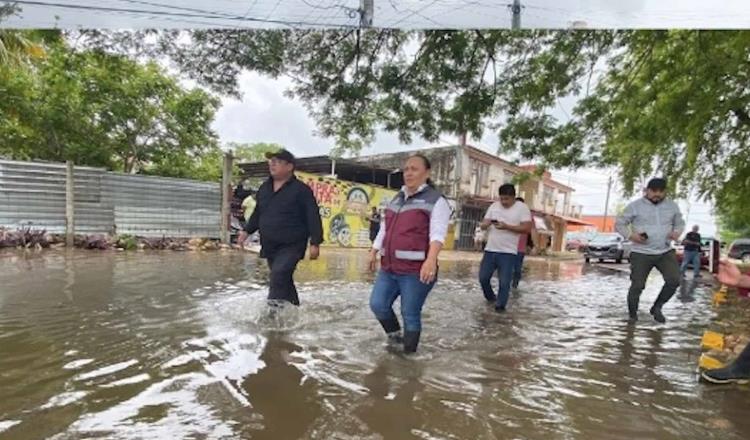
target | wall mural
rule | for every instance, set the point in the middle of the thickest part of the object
(344, 208)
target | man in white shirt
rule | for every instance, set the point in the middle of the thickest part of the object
(507, 220)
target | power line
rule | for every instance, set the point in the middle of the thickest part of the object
(332, 6)
(178, 8)
(212, 15)
(413, 13)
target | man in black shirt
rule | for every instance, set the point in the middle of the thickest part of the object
(692, 255)
(374, 220)
(287, 216)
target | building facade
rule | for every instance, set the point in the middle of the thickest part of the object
(470, 179)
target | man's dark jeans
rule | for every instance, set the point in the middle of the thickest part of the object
(283, 261)
(502, 263)
(640, 268)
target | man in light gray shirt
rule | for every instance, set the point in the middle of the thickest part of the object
(652, 223)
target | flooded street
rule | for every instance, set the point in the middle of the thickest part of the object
(181, 345)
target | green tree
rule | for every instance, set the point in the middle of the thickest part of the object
(252, 152)
(105, 110)
(17, 46)
(671, 103)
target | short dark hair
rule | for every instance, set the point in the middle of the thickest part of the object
(520, 199)
(657, 184)
(507, 190)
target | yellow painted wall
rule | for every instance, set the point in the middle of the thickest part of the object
(344, 207)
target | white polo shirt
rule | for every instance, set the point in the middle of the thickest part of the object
(503, 240)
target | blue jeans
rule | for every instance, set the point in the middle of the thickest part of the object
(504, 264)
(389, 286)
(518, 268)
(693, 257)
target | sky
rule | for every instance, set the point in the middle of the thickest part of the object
(265, 114)
(727, 14)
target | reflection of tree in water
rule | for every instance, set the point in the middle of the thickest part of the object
(288, 406)
(391, 411)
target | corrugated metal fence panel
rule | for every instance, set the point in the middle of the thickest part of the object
(33, 194)
(158, 206)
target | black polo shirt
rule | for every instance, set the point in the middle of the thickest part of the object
(286, 217)
(694, 237)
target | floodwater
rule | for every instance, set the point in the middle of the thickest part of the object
(181, 345)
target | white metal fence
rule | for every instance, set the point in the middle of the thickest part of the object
(33, 194)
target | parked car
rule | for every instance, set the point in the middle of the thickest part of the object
(740, 250)
(705, 248)
(575, 242)
(608, 247)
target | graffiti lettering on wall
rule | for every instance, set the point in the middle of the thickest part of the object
(344, 208)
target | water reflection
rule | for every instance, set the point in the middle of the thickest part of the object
(392, 408)
(288, 404)
(687, 290)
(180, 345)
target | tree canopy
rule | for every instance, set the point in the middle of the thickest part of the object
(102, 109)
(672, 103)
(648, 102)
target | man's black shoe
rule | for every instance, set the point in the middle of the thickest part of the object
(726, 375)
(658, 315)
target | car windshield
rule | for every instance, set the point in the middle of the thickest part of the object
(606, 238)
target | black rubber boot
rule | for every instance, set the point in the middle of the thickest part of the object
(411, 341)
(392, 330)
(390, 325)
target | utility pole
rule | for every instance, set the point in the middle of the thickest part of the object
(226, 196)
(366, 12)
(515, 8)
(606, 204)
(70, 228)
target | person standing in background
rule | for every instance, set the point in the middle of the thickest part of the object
(522, 245)
(374, 220)
(652, 223)
(479, 238)
(692, 254)
(248, 206)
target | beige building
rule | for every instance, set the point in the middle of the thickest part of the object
(471, 177)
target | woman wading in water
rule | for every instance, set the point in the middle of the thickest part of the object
(411, 236)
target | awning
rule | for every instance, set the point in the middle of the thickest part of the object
(575, 221)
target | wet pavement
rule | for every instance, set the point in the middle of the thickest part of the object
(181, 345)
